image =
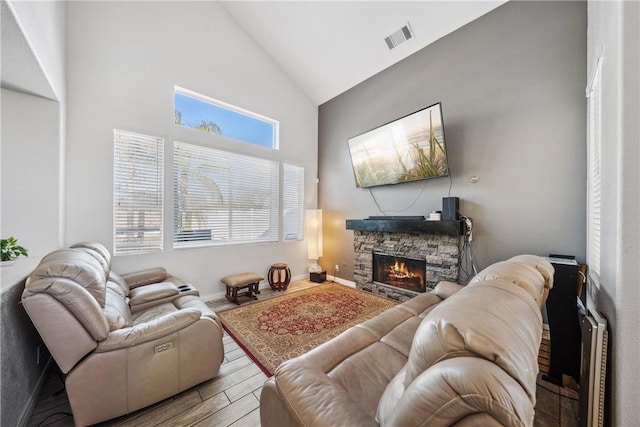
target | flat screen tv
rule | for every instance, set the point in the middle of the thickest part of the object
(408, 149)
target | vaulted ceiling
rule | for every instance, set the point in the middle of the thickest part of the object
(328, 47)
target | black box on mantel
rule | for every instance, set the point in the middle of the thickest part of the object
(450, 208)
(320, 277)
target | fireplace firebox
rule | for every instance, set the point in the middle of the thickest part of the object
(400, 272)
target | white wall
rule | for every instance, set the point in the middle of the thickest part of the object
(37, 60)
(124, 60)
(43, 24)
(614, 35)
(30, 171)
(32, 187)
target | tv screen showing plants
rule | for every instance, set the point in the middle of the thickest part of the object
(408, 149)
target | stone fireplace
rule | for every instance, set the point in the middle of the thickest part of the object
(430, 248)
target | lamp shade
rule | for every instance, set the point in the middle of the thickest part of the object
(313, 233)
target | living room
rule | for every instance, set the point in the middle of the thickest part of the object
(512, 85)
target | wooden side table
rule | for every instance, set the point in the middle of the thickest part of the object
(279, 276)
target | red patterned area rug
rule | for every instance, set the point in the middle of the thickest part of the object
(280, 328)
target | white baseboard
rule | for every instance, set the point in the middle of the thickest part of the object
(33, 399)
(345, 282)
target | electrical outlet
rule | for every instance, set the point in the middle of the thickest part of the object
(337, 267)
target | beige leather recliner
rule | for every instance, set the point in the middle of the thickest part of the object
(123, 342)
(456, 356)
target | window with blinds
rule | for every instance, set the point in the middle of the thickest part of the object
(223, 198)
(594, 196)
(138, 193)
(293, 202)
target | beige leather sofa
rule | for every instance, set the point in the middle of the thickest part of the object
(123, 342)
(463, 356)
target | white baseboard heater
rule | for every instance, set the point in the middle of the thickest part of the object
(593, 369)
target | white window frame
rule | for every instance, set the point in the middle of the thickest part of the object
(594, 184)
(138, 185)
(239, 110)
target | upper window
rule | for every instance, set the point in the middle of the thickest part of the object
(137, 193)
(200, 112)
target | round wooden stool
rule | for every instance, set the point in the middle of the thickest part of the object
(279, 276)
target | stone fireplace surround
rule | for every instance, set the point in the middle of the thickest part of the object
(435, 241)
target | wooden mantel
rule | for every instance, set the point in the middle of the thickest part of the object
(446, 228)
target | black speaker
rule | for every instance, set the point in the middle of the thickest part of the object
(450, 208)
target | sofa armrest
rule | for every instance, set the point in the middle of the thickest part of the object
(444, 289)
(152, 292)
(149, 331)
(176, 280)
(145, 277)
(305, 395)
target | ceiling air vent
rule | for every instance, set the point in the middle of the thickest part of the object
(400, 36)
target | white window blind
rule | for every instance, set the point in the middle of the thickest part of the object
(594, 196)
(293, 202)
(223, 198)
(138, 193)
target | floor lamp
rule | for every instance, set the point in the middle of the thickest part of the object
(313, 236)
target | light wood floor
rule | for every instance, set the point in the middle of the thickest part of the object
(233, 397)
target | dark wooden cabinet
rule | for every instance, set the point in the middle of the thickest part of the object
(564, 324)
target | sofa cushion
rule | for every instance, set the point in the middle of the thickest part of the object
(455, 390)
(153, 312)
(76, 266)
(118, 284)
(98, 251)
(367, 375)
(77, 281)
(508, 334)
(391, 396)
(520, 274)
(543, 266)
(401, 337)
(116, 309)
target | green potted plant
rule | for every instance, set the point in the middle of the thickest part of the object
(11, 250)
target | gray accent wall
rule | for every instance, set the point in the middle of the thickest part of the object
(512, 87)
(22, 372)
